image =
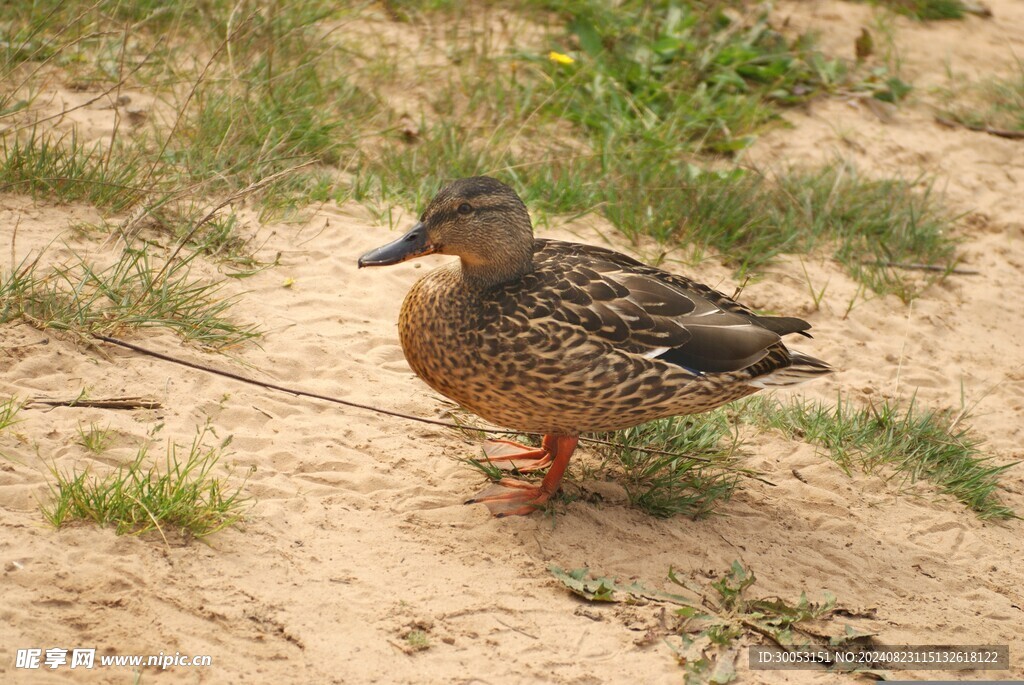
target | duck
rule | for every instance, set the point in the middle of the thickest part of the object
(560, 338)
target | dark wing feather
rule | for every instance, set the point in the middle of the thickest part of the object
(784, 325)
(647, 311)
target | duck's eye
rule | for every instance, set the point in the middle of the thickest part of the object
(465, 208)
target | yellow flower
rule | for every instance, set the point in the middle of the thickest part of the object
(288, 282)
(560, 58)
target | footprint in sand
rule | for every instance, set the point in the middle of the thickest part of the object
(389, 358)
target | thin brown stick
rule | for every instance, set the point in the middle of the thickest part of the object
(44, 341)
(108, 403)
(999, 132)
(518, 630)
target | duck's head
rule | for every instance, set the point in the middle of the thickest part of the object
(480, 220)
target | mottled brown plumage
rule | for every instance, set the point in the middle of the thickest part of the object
(562, 338)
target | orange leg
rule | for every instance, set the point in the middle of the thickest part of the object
(510, 497)
(510, 455)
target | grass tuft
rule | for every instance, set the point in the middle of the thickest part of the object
(45, 164)
(995, 104)
(417, 640)
(284, 98)
(131, 293)
(871, 226)
(96, 440)
(9, 410)
(917, 443)
(927, 10)
(136, 498)
(702, 72)
(692, 481)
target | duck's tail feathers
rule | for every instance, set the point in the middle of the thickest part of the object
(802, 369)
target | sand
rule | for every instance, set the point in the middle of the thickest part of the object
(358, 534)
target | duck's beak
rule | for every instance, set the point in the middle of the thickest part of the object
(412, 244)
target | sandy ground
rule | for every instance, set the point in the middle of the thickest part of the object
(358, 533)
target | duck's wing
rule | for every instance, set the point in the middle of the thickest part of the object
(643, 310)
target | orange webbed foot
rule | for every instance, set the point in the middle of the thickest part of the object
(508, 455)
(510, 497)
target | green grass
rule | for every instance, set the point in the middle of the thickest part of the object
(60, 167)
(96, 440)
(663, 71)
(926, 10)
(224, 240)
(698, 476)
(417, 640)
(185, 495)
(248, 92)
(872, 226)
(282, 95)
(747, 219)
(244, 96)
(909, 442)
(9, 410)
(652, 85)
(993, 104)
(700, 471)
(131, 293)
(743, 218)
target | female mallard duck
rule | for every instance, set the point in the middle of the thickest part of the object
(561, 338)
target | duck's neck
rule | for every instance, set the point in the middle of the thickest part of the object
(497, 269)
